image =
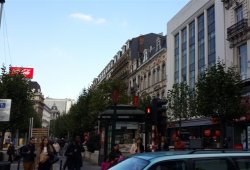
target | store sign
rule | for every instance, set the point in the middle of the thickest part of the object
(27, 72)
(5, 105)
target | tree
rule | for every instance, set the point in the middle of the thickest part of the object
(219, 93)
(16, 87)
(180, 102)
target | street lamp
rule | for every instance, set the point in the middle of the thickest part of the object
(115, 98)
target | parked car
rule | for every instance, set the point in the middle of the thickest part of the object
(187, 160)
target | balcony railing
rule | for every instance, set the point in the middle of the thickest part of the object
(237, 29)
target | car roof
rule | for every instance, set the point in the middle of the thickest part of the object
(150, 156)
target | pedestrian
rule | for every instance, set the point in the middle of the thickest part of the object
(106, 164)
(74, 154)
(57, 147)
(46, 154)
(139, 145)
(115, 155)
(163, 145)
(28, 154)
(11, 152)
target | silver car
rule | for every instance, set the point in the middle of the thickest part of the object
(187, 160)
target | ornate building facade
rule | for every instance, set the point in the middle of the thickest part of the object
(148, 72)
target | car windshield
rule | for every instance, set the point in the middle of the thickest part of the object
(132, 163)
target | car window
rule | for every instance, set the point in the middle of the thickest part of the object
(132, 163)
(169, 165)
(243, 163)
(211, 164)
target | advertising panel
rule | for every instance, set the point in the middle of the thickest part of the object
(27, 72)
(5, 105)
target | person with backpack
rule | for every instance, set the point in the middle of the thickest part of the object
(28, 154)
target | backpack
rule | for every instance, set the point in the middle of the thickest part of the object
(21, 151)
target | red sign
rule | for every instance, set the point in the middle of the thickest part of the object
(27, 72)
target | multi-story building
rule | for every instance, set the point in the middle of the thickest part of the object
(199, 35)
(63, 105)
(148, 73)
(38, 98)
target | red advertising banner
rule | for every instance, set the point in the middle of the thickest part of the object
(27, 72)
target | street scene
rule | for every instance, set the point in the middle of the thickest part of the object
(128, 85)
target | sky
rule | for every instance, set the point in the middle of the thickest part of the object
(69, 42)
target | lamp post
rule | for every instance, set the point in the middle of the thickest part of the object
(115, 97)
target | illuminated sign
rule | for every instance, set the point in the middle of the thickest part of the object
(27, 72)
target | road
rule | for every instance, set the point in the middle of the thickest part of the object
(86, 165)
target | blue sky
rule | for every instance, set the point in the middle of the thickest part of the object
(69, 42)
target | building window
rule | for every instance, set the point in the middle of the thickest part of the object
(201, 46)
(239, 14)
(154, 77)
(176, 56)
(145, 53)
(163, 73)
(145, 81)
(211, 35)
(192, 53)
(149, 78)
(184, 55)
(243, 60)
(158, 75)
(158, 43)
(163, 94)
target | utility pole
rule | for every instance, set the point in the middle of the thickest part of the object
(1, 10)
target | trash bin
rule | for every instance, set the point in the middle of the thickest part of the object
(4, 165)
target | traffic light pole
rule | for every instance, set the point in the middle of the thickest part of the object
(113, 126)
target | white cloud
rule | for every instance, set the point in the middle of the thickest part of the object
(88, 18)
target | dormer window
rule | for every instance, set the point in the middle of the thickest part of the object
(158, 44)
(145, 53)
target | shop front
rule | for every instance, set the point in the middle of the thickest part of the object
(129, 125)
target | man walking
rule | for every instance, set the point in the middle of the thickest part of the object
(28, 154)
(73, 154)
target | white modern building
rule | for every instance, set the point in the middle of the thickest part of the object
(205, 31)
(63, 105)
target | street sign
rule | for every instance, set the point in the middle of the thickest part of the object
(5, 105)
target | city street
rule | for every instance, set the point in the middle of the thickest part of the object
(86, 165)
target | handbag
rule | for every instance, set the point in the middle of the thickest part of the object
(43, 157)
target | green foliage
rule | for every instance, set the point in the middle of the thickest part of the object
(82, 116)
(16, 88)
(219, 93)
(179, 101)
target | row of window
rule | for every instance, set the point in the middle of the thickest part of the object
(182, 47)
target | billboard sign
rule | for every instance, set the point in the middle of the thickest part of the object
(27, 72)
(5, 105)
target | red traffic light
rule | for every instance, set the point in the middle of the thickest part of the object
(148, 110)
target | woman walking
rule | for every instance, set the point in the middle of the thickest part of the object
(46, 153)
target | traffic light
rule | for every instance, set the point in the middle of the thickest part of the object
(148, 114)
(158, 109)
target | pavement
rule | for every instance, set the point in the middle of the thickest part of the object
(57, 166)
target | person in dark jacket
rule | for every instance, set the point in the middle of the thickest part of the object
(74, 154)
(28, 154)
(11, 152)
(115, 155)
